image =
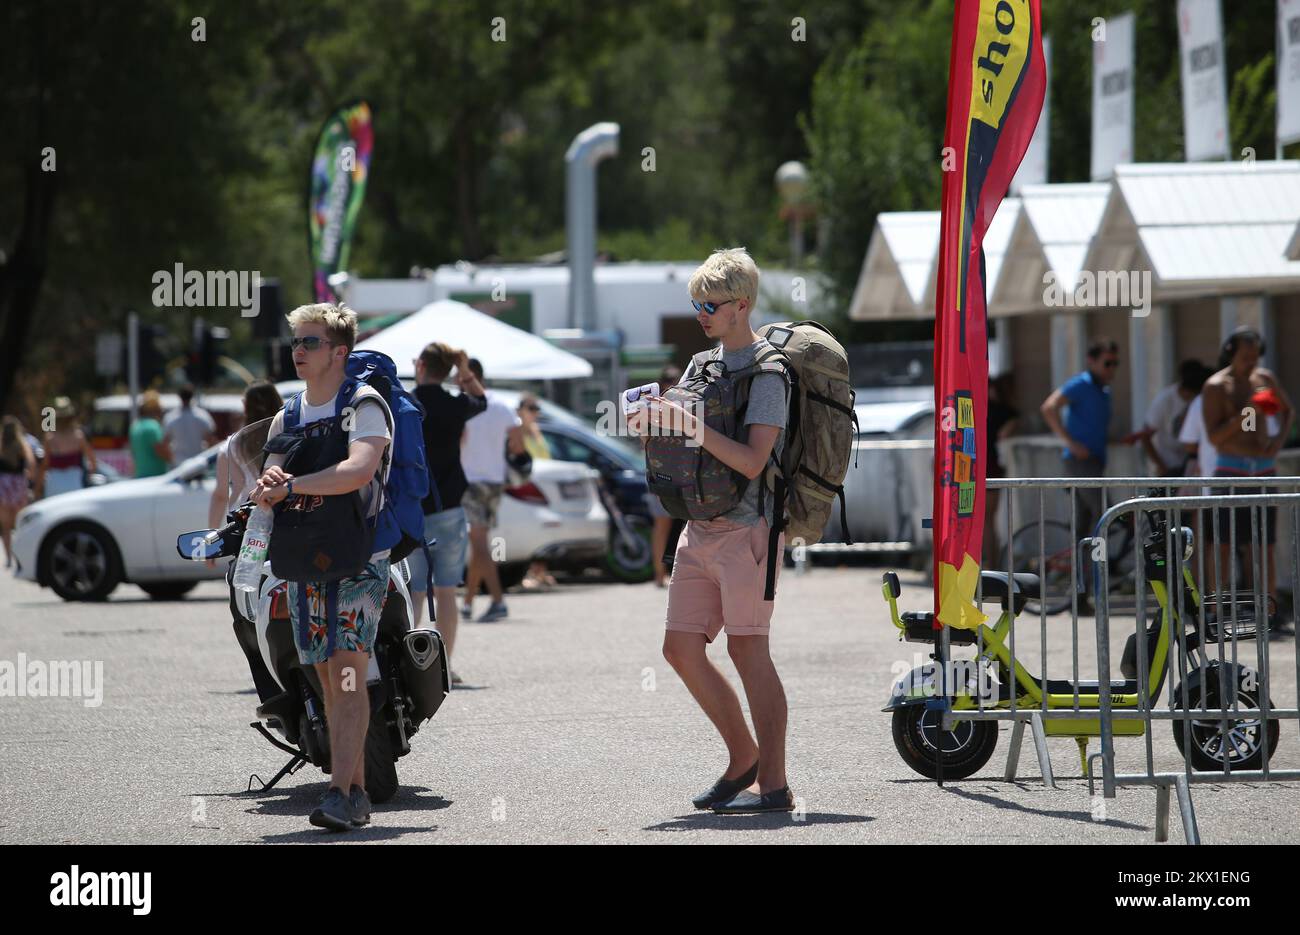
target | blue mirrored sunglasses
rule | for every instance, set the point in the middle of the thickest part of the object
(710, 307)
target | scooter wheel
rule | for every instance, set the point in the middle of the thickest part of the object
(966, 748)
(381, 767)
(1243, 745)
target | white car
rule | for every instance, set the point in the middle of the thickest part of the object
(557, 516)
(84, 543)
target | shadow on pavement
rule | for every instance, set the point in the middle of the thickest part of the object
(370, 833)
(1084, 816)
(709, 821)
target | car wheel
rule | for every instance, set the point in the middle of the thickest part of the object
(633, 561)
(81, 562)
(167, 590)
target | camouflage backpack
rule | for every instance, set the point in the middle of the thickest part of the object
(819, 433)
(690, 482)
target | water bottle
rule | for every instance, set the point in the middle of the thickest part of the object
(252, 551)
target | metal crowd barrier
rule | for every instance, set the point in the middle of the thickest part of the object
(1218, 693)
(1084, 569)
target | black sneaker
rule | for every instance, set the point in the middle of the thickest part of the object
(334, 811)
(360, 803)
(750, 803)
(725, 789)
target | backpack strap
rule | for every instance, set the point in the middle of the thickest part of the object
(331, 616)
(774, 532)
(670, 550)
(293, 411)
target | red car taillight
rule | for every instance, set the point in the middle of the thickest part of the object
(529, 493)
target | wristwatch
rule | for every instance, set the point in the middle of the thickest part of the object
(288, 488)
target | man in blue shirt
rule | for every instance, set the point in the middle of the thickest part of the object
(1086, 399)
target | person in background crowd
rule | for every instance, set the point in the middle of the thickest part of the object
(68, 455)
(538, 577)
(663, 523)
(1001, 423)
(1248, 417)
(150, 450)
(239, 465)
(17, 468)
(445, 416)
(190, 429)
(483, 457)
(1165, 418)
(1201, 462)
(1086, 426)
(1201, 456)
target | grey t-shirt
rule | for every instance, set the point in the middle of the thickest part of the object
(768, 403)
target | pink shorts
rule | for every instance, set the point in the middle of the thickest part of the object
(719, 573)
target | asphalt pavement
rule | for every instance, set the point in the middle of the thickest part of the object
(571, 728)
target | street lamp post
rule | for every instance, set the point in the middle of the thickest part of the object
(792, 186)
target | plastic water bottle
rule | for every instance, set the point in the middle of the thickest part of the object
(252, 551)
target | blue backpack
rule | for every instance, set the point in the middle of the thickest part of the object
(399, 526)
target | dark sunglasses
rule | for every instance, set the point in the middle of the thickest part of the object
(312, 343)
(710, 307)
(1110, 364)
(532, 407)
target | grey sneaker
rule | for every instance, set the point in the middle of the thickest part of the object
(334, 811)
(360, 803)
(496, 612)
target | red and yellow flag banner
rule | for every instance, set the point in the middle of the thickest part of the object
(996, 80)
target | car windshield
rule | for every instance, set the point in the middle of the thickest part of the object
(198, 466)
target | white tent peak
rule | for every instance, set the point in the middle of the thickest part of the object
(506, 352)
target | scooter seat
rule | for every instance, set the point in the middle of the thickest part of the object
(1091, 687)
(1023, 584)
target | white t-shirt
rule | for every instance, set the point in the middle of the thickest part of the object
(370, 420)
(483, 452)
(1193, 433)
(188, 430)
(1165, 415)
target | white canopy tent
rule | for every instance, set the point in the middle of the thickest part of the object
(507, 352)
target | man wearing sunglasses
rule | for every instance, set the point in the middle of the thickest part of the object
(1086, 425)
(720, 568)
(323, 336)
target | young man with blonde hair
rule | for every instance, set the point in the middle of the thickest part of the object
(719, 571)
(323, 336)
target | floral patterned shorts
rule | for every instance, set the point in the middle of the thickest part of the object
(360, 602)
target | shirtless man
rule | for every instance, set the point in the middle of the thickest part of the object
(1246, 446)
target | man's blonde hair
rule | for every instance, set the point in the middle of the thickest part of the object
(730, 274)
(340, 321)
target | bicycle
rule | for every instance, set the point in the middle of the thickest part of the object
(1052, 564)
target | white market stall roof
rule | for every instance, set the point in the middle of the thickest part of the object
(1051, 234)
(898, 274)
(899, 267)
(507, 353)
(1201, 228)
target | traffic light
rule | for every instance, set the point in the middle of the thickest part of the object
(201, 365)
(151, 362)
